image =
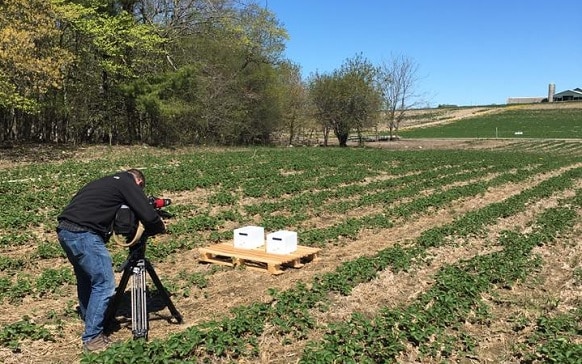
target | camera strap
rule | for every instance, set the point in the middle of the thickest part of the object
(123, 241)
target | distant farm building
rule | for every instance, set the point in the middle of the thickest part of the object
(525, 100)
(568, 95)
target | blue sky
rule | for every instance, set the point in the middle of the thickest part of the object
(468, 52)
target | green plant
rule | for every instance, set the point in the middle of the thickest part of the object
(12, 334)
(577, 275)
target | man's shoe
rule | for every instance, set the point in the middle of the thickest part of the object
(98, 343)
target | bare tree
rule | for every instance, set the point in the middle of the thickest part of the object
(398, 79)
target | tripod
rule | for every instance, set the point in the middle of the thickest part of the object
(135, 267)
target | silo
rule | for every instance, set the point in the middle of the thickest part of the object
(551, 92)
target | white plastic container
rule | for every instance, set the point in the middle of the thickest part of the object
(249, 237)
(281, 242)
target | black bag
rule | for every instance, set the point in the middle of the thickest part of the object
(125, 223)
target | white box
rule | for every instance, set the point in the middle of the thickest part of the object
(249, 237)
(281, 242)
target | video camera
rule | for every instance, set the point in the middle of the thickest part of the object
(159, 204)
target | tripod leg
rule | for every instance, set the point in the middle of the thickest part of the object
(139, 314)
(163, 292)
(116, 300)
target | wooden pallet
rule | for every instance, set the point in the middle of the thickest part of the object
(257, 259)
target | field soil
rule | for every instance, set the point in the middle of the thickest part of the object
(229, 287)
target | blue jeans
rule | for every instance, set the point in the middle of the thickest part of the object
(95, 278)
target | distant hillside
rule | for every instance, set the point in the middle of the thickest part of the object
(424, 117)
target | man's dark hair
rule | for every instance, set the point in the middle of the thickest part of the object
(137, 174)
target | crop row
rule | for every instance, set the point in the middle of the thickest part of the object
(15, 286)
(434, 322)
(34, 202)
(236, 337)
(389, 187)
(33, 195)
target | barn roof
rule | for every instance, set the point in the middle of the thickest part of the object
(574, 92)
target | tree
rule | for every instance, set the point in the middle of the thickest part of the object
(346, 99)
(112, 50)
(364, 101)
(224, 85)
(397, 78)
(153, 71)
(293, 99)
(322, 89)
(32, 61)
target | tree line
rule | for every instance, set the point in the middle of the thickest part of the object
(167, 72)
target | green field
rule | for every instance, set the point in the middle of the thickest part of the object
(426, 255)
(520, 123)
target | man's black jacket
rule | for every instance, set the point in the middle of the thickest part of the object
(95, 205)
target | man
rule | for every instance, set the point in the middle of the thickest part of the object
(84, 228)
